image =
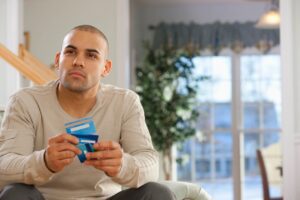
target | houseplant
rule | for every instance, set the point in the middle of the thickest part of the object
(168, 90)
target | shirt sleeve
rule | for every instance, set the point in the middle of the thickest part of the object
(140, 160)
(19, 161)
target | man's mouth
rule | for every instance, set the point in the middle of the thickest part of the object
(77, 74)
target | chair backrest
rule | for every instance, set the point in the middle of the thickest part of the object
(269, 159)
(263, 173)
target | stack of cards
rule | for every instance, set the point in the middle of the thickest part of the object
(84, 129)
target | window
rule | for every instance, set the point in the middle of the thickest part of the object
(207, 158)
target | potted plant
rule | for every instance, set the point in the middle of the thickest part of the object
(168, 88)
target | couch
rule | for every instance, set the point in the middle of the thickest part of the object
(187, 191)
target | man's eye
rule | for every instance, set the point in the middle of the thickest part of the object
(92, 55)
(69, 52)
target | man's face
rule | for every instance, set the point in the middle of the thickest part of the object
(82, 61)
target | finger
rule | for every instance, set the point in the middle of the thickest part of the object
(104, 154)
(106, 145)
(67, 147)
(65, 155)
(66, 161)
(64, 137)
(103, 163)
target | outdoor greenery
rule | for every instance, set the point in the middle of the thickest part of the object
(168, 87)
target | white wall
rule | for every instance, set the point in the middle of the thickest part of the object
(11, 34)
(49, 20)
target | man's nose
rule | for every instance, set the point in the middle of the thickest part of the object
(79, 60)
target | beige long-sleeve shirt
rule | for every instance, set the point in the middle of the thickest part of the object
(34, 114)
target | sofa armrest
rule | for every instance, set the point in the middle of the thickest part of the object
(186, 191)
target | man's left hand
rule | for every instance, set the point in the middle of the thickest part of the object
(107, 157)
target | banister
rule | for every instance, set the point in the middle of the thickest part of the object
(30, 67)
(40, 67)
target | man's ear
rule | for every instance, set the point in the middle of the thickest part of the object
(56, 63)
(107, 68)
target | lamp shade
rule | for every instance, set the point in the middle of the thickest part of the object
(269, 20)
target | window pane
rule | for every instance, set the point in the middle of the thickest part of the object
(249, 68)
(250, 91)
(222, 91)
(251, 115)
(271, 116)
(270, 91)
(252, 182)
(270, 137)
(205, 91)
(223, 152)
(251, 143)
(218, 70)
(204, 120)
(184, 161)
(221, 68)
(222, 115)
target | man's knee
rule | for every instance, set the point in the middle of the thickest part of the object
(158, 191)
(20, 191)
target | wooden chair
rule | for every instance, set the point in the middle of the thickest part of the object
(264, 177)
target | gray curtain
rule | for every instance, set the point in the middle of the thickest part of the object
(216, 36)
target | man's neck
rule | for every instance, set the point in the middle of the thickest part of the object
(76, 104)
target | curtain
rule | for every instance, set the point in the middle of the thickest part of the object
(214, 37)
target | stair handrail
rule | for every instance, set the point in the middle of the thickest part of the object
(28, 65)
(41, 68)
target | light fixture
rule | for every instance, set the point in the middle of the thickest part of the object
(271, 18)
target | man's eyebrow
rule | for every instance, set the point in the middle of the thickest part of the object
(70, 46)
(93, 51)
(88, 50)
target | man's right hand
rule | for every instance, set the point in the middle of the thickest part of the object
(61, 151)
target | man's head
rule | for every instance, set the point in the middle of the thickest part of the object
(83, 59)
(92, 29)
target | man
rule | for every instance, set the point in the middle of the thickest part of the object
(39, 160)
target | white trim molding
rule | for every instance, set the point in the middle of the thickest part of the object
(122, 44)
(289, 30)
(11, 36)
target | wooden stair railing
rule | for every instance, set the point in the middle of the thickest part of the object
(28, 65)
(41, 68)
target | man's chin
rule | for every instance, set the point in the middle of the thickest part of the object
(75, 87)
(77, 90)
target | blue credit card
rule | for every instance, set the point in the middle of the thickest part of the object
(84, 129)
(85, 148)
(92, 139)
(82, 126)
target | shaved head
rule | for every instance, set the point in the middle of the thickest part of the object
(91, 29)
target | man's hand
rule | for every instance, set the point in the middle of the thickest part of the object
(107, 157)
(61, 151)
